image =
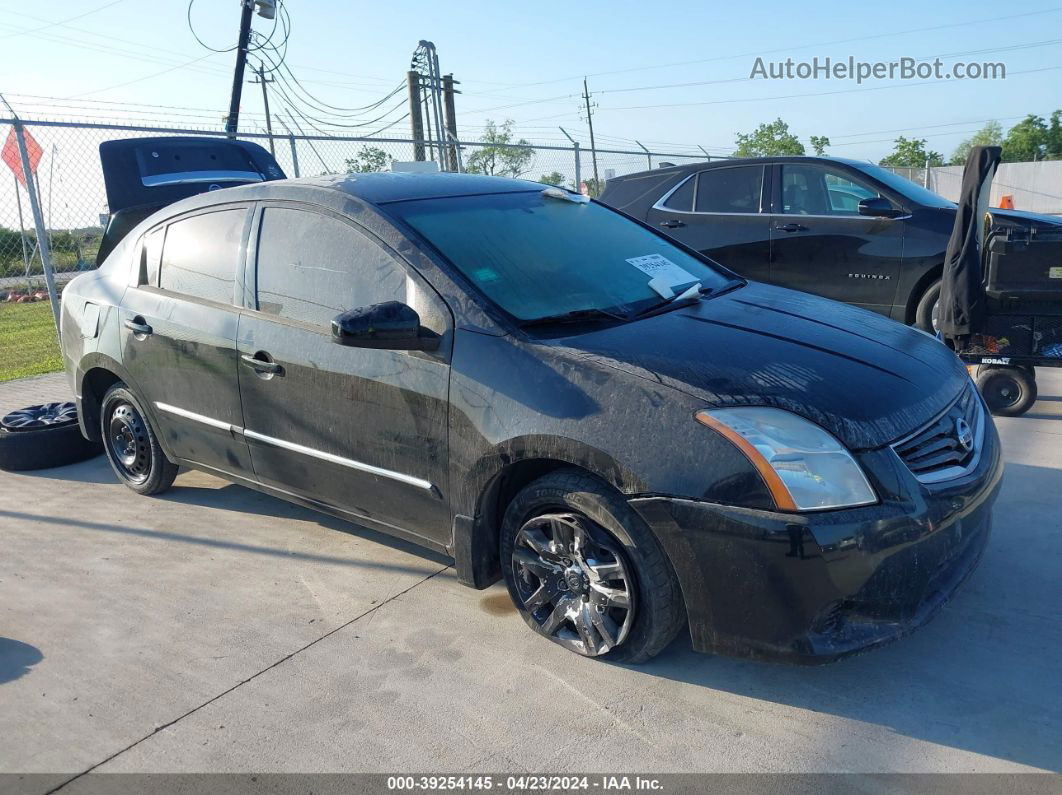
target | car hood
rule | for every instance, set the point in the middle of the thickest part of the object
(865, 378)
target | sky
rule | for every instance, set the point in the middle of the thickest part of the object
(675, 76)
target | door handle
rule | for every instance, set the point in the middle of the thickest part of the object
(138, 326)
(792, 228)
(672, 223)
(261, 365)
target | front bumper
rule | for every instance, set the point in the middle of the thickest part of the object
(813, 587)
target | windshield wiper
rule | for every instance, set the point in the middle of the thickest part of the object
(575, 316)
(687, 296)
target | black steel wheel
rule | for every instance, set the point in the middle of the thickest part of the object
(586, 572)
(131, 445)
(1008, 391)
(575, 582)
(43, 436)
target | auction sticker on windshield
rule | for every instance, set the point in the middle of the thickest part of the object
(662, 269)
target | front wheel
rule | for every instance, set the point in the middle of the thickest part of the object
(927, 313)
(131, 445)
(585, 571)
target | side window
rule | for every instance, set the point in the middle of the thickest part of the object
(150, 257)
(730, 190)
(200, 255)
(809, 189)
(682, 198)
(311, 267)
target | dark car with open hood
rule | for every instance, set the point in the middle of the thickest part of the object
(633, 437)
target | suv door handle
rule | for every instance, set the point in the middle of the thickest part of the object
(792, 228)
(672, 223)
(261, 365)
(138, 326)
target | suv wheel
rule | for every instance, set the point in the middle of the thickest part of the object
(928, 309)
(131, 445)
(585, 571)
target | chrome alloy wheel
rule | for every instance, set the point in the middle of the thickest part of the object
(575, 582)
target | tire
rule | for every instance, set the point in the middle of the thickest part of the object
(926, 306)
(43, 436)
(626, 565)
(1008, 391)
(131, 445)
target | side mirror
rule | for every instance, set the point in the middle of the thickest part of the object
(390, 326)
(878, 207)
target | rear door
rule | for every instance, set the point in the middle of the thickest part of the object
(178, 332)
(719, 212)
(356, 429)
(821, 244)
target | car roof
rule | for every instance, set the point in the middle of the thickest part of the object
(744, 161)
(389, 186)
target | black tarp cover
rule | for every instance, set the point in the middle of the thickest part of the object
(962, 298)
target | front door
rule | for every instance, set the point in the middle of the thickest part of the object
(355, 429)
(178, 333)
(821, 244)
(718, 213)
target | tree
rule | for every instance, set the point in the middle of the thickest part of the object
(912, 153)
(552, 178)
(369, 159)
(819, 144)
(1054, 136)
(767, 140)
(500, 155)
(1026, 140)
(989, 135)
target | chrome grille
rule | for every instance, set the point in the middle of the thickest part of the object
(937, 452)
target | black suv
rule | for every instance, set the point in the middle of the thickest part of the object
(846, 230)
(551, 393)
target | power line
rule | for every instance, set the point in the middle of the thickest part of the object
(62, 21)
(791, 48)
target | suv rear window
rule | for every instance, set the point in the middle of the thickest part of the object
(200, 255)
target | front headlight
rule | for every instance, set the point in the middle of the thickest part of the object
(805, 468)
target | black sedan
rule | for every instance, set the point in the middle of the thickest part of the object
(630, 435)
(843, 229)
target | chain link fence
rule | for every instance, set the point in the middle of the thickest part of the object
(72, 203)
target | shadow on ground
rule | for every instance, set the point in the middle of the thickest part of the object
(982, 676)
(16, 659)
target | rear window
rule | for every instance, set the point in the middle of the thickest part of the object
(730, 190)
(200, 254)
(536, 256)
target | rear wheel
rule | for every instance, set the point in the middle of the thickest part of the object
(585, 571)
(1008, 391)
(131, 445)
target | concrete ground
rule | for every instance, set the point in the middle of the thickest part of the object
(217, 629)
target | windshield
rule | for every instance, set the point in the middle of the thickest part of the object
(536, 256)
(906, 187)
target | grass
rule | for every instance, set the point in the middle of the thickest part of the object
(28, 342)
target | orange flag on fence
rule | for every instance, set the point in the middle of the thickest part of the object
(11, 156)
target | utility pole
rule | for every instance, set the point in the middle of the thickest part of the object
(590, 124)
(416, 117)
(450, 120)
(241, 61)
(265, 101)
